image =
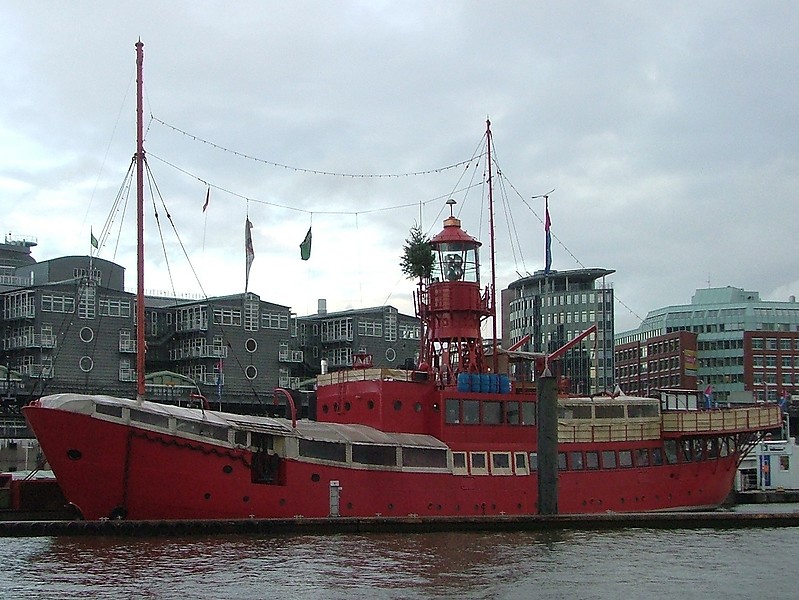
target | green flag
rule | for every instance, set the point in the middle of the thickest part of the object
(95, 243)
(305, 247)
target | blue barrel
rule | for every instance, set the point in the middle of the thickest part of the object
(494, 383)
(504, 384)
(485, 383)
(475, 382)
(464, 382)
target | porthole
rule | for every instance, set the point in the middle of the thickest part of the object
(391, 355)
(86, 363)
(325, 408)
(370, 404)
(397, 404)
(347, 406)
(315, 477)
(251, 372)
(417, 407)
(227, 469)
(73, 454)
(86, 334)
(251, 345)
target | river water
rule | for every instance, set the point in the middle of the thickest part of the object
(628, 563)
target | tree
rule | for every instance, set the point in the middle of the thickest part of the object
(417, 258)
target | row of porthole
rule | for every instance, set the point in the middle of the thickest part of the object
(370, 405)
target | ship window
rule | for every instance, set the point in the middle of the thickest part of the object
(561, 461)
(724, 448)
(657, 457)
(642, 457)
(424, 457)
(323, 450)
(576, 461)
(149, 418)
(520, 460)
(528, 413)
(512, 413)
(670, 448)
(452, 410)
(609, 412)
(471, 412)
(699, 450)
(642, 410)
(625, 458)
(240, 437)
(685, 451)
(492, 412)
(478, 463)
(459, 463)
(608, 459)
(112, 411)
(533, 461)
(592, 460)
(372, 454)
(582, 411)
(500, 463)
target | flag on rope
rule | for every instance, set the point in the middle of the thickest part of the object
(248, 250)
(709, 396)
(207, 198)
(547, 225)
(305, 247)
(95, 243)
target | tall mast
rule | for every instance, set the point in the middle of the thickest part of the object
(140, 324)
(494, 356)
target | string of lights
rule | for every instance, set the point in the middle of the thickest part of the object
(307, 170)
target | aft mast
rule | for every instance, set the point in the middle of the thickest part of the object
(140, 323)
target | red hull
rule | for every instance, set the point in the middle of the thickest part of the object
(159, 476)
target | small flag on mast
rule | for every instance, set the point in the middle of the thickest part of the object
(207, 198)
(95, 243)
(305, 247)
(249, 251)
(547, 225)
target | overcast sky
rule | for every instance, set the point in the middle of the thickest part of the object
(669, 132)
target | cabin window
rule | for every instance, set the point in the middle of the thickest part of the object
(670, 449)
(686, 455)
(609, 412)
(657, 456)
(323, 450)
(471, 412)
(592, 460)
(636, 411)
(608, 459)
(533, 461)
(512, 413)
(479, 465)
(240, 437)
(579, 411)
(424, 457)
(372, 454)
(452, 411)
(528, 413)
(699, 450)
(149, 418)
(459, 463)
(625, 458)
(111, 411)
(576, 461)
(492, 412)
(561, 461)
(520, 463)
(500, 463)
(642, 457)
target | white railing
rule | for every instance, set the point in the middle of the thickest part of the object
(294, 356)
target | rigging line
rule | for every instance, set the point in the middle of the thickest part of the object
(510, 223)
(294, 208)
(109, 221)
(305, 170)
(151, 184)
(151, 179)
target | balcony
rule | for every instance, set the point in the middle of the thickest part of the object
(290, 356)
(291, 383)
(199, 352)
(127, 374)
(30, 340)
(211, 379)
(37, 370)
(127, 346)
